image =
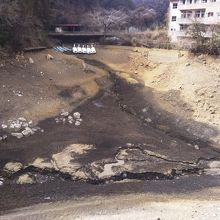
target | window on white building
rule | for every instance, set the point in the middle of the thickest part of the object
(210, 14)
(181, 27)
(186, 14)
(173, 18)
(175, 5)
(200, 14)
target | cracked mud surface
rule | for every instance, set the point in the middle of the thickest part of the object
(124, 136)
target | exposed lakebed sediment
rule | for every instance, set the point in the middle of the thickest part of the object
(124, 135)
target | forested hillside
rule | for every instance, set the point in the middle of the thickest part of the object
(25, 23)
(160, 7)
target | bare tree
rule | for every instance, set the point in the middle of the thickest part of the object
(142, 17)
(106, 20)
(206, 40)
(197, 32)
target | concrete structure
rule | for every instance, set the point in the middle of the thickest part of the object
(185, 12)
(60, 28)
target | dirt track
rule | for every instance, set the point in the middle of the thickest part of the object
(130, 130)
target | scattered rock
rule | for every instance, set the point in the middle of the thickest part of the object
(132, 81)
(17, 135)
(67, 160)
(66, 117)
(196, 147)
(187, 64)
(18, 93)
(27, 132)
(22, 119)
(12, 167)
(213, 168)
(77, 115)
(49, 57)
(43, 164)
(4, 126)
(65, 114)
(3, 137)
(20, 127)
(31, 61)
(144, 110)
(77, 123)
(25, 179)
(148, 120)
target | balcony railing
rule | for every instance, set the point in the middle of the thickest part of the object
(190, 20)
(193, 6)
(203, 20)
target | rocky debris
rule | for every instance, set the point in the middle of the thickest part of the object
(27, 132)
(31, 61)
(49, 57)
(136, 50)
(17, 135)
(12, 167)
(77, 115)
(144, 110)
(4, 126)
(3, 137)
(187, 64)
(213, 168)
(132, 81)
(18, 93)
(67, 160)
(20, 128)
(25, 179)
(66, 117)
(202, 58)
(196, 147)
(64, 114)
(1, 181)
(43, 164)
(148, 120)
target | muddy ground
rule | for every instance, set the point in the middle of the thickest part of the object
(139, 127)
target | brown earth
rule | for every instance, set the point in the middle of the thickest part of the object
(148, 115)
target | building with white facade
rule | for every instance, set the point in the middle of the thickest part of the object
(185, 12)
